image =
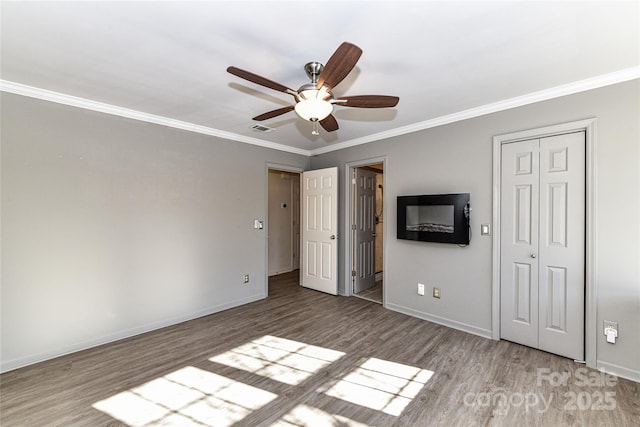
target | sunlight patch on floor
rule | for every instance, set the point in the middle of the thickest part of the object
(194, 397)
(308, 416)
(279, 359)
(381, 385)
(186, 397)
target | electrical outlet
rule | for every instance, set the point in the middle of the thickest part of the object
(420, 289)
(608, 324)
(245, 278)
(436, 292)
(611, 331)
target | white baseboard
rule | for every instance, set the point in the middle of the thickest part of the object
(619, 371)
(10, 365)
(485, 333)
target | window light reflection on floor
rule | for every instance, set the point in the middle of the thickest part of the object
(186, 397)
(381, 385)
(287, 361)
(192, 396)
(308, 416)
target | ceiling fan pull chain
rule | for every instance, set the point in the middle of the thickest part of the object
(316, 129)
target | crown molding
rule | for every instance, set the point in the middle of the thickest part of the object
(543, 95)
(74, 101)
(621, 76)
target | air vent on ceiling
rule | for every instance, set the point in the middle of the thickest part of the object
(260, 128)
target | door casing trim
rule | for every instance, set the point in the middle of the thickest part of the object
(589, 127)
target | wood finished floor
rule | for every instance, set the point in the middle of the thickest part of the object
(372, 294)
(207, 372)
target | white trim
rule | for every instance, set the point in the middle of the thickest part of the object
(464, 327)
(620, 371)
(543, 95)
(519, 101)
(10, 365)
(348, 206)
(87, 104)
(589, 127)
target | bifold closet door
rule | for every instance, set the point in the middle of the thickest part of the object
(542, 243)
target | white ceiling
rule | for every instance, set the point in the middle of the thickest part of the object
(166, 62)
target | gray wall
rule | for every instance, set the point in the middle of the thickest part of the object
(111, 227)
(458, 158)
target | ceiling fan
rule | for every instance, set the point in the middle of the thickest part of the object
(314, 101)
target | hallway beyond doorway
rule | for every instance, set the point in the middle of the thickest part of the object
(373, 294)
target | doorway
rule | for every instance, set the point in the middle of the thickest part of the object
(366, 215)
(283, 216)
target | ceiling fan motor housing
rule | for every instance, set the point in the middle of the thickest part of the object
(313, 70)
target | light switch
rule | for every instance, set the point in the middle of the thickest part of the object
(485, 229)
(257, 224)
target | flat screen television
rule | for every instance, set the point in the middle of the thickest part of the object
(442, 218)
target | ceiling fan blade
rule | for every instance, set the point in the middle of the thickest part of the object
(368, 101)
(339, 65)
(274, 113)
(329, 123)
(262, 81)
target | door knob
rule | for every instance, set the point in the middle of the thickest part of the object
(333, 237)
(533, 255)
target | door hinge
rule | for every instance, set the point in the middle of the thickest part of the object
(353, 273)
(353, 226)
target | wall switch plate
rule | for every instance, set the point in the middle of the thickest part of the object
(485, 229)
(257, 224)
(436, 292)
(420, 289)
(245, 278)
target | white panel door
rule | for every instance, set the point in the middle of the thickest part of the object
(365, 230)
(320, 230)
(519, 243)
(543, 243)
(562, 245)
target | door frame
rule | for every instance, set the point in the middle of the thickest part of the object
(590, 309)
(268, 167)
(348, 214)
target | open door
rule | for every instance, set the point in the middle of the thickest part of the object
(364, 230)
(320, 230)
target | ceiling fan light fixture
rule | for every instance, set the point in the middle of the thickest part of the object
(313, 109)
(313, 104)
